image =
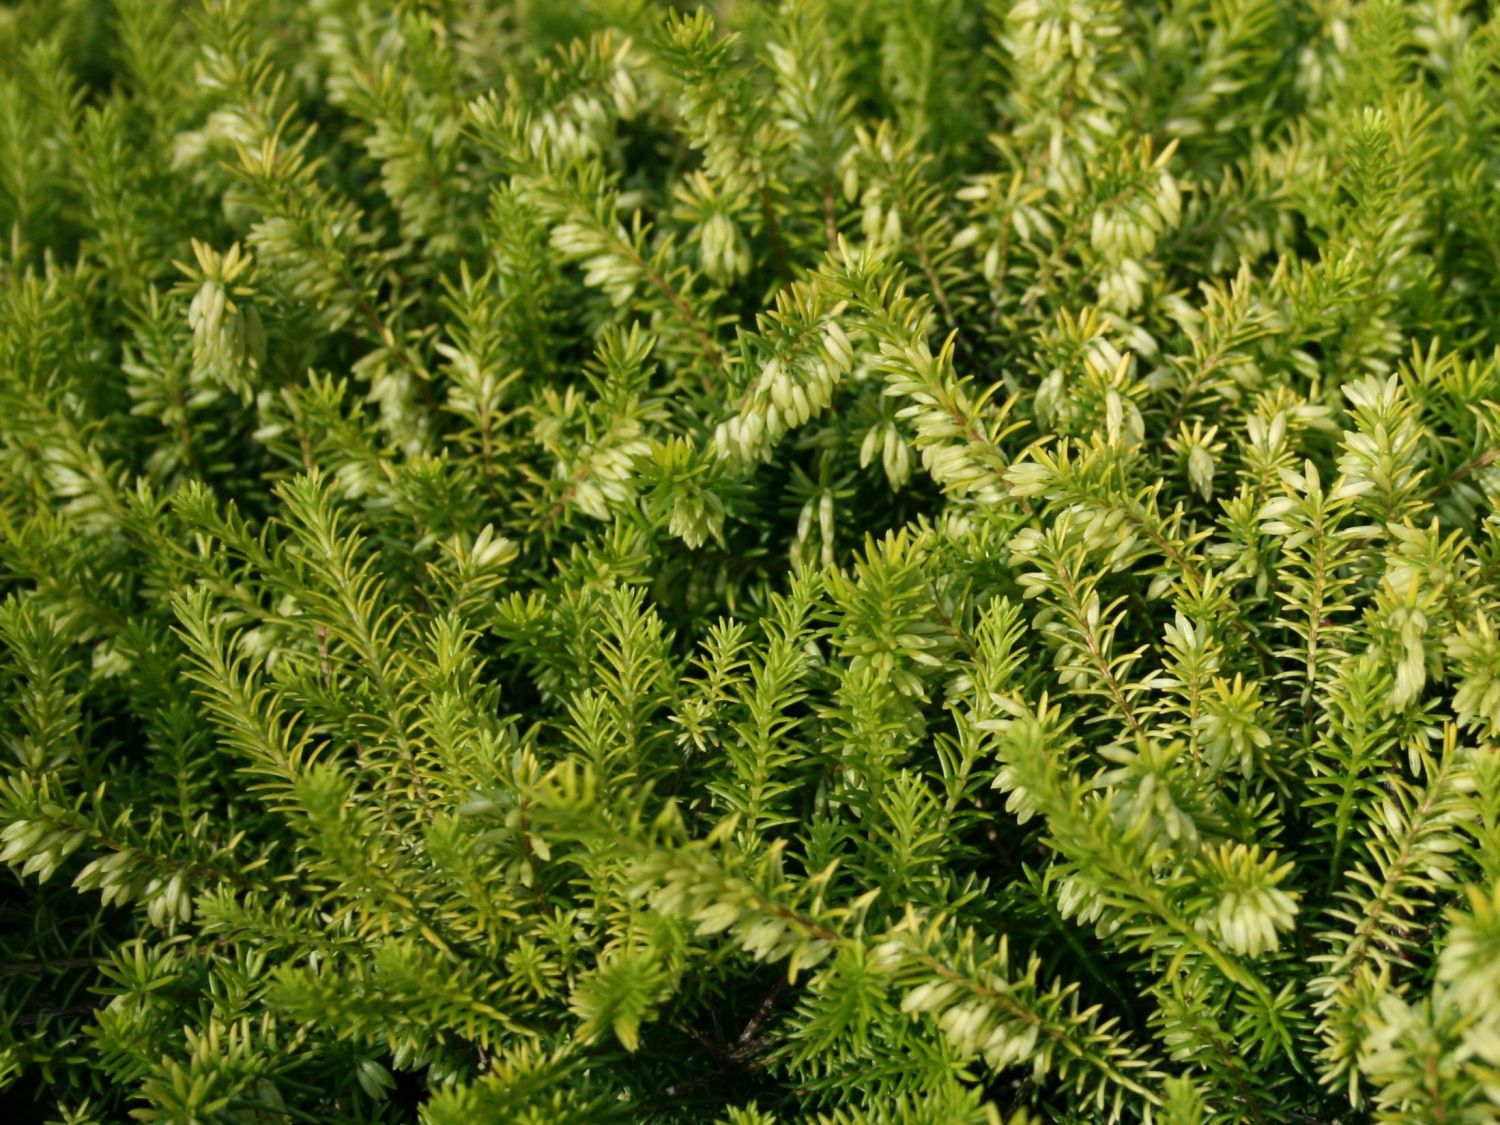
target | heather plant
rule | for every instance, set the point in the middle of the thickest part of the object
(858, 561)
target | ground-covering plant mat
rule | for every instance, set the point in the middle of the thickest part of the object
(836, 560)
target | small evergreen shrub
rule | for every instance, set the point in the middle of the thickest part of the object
(838, 560)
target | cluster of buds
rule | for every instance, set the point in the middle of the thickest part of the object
(579, 131)
(1125, 230)
(723, 250)
(1198, 446)
(1061, 50)
(229, 340)
(605, 267)
(891, 176)
(678, 480)
(124, 876)
(396, 393)
(791, 389)
(1230, 727)
(1476, 652)
(581, 125)
(1091, 385)
(38, 844)
(885, 439)
(1249, 910)
(817, 512)
(1385, 451)
(602, 477)
(957, 443)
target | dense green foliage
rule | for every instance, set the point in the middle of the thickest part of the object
(840, 560)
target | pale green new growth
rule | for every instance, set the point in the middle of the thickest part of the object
(855, 561)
